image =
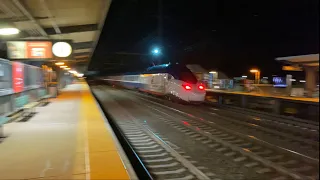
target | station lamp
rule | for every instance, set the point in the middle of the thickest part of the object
(256, 75)
(9, 31)
(59, 63)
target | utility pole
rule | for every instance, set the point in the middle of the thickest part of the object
(160, 26)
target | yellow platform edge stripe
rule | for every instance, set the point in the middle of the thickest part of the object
(97, 145)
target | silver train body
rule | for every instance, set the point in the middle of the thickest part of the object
(171, 80)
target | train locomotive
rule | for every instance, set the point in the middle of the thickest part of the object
(174, 81)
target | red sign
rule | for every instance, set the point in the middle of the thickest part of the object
(17, 76)
(39, 50)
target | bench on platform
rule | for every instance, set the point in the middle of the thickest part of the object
(23, 109)
(29, 109)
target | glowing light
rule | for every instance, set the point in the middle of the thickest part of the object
(254, 70)
(9, 31)
(79, 75)
(67, 68)
(213, 72)
(302, 81)
(156, 51)
(59, 63)
(73, 72)
(244, 76)
(63, 66)
(61, 49)
(186, 123)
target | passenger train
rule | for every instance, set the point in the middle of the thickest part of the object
(174, 81)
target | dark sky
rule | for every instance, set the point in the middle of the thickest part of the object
(227, 35)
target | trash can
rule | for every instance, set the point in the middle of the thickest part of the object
(53, 90)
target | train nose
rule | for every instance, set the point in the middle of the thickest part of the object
(198, 93)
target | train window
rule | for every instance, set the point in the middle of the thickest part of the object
(188, 77)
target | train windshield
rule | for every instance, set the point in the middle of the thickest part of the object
(184, 74)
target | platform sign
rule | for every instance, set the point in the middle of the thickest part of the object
(39, 50)
(279, 82)
(17, 77)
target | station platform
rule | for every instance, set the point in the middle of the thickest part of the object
(263, 95)
(67, 139)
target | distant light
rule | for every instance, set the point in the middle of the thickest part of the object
(213, 72)
(244, 76)
(73, 72)
(79, 75)
(302, 81)
(67, 68)
(59, 63)
(9, 31)
(254, 70)
(265, 77)
(292, 80)
(63, 66)
(156, 51)
(216, 87)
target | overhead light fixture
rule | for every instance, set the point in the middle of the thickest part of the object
(73, 72)
(9, 31)
(59, 63)
(212, 72)
(66, 68)
(63, 66)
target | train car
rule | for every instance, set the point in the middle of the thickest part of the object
(174, 81)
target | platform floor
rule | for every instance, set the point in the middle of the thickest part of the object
(67, 139)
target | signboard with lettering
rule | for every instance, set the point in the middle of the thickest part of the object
(39, 50)
(42, 49)
(279, 82)
(17, 77)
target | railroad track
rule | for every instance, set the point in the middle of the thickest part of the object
(282, 132)
(252, 152)
(249, 151)
(294, 126)
(159, 157)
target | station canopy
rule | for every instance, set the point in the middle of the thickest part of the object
(77, 20)
(303, 60)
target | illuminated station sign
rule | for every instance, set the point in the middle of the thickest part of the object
(39, 50)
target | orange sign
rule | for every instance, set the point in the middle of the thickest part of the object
(39, 50)
(17, 77)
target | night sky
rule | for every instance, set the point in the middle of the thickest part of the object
(230, 36)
